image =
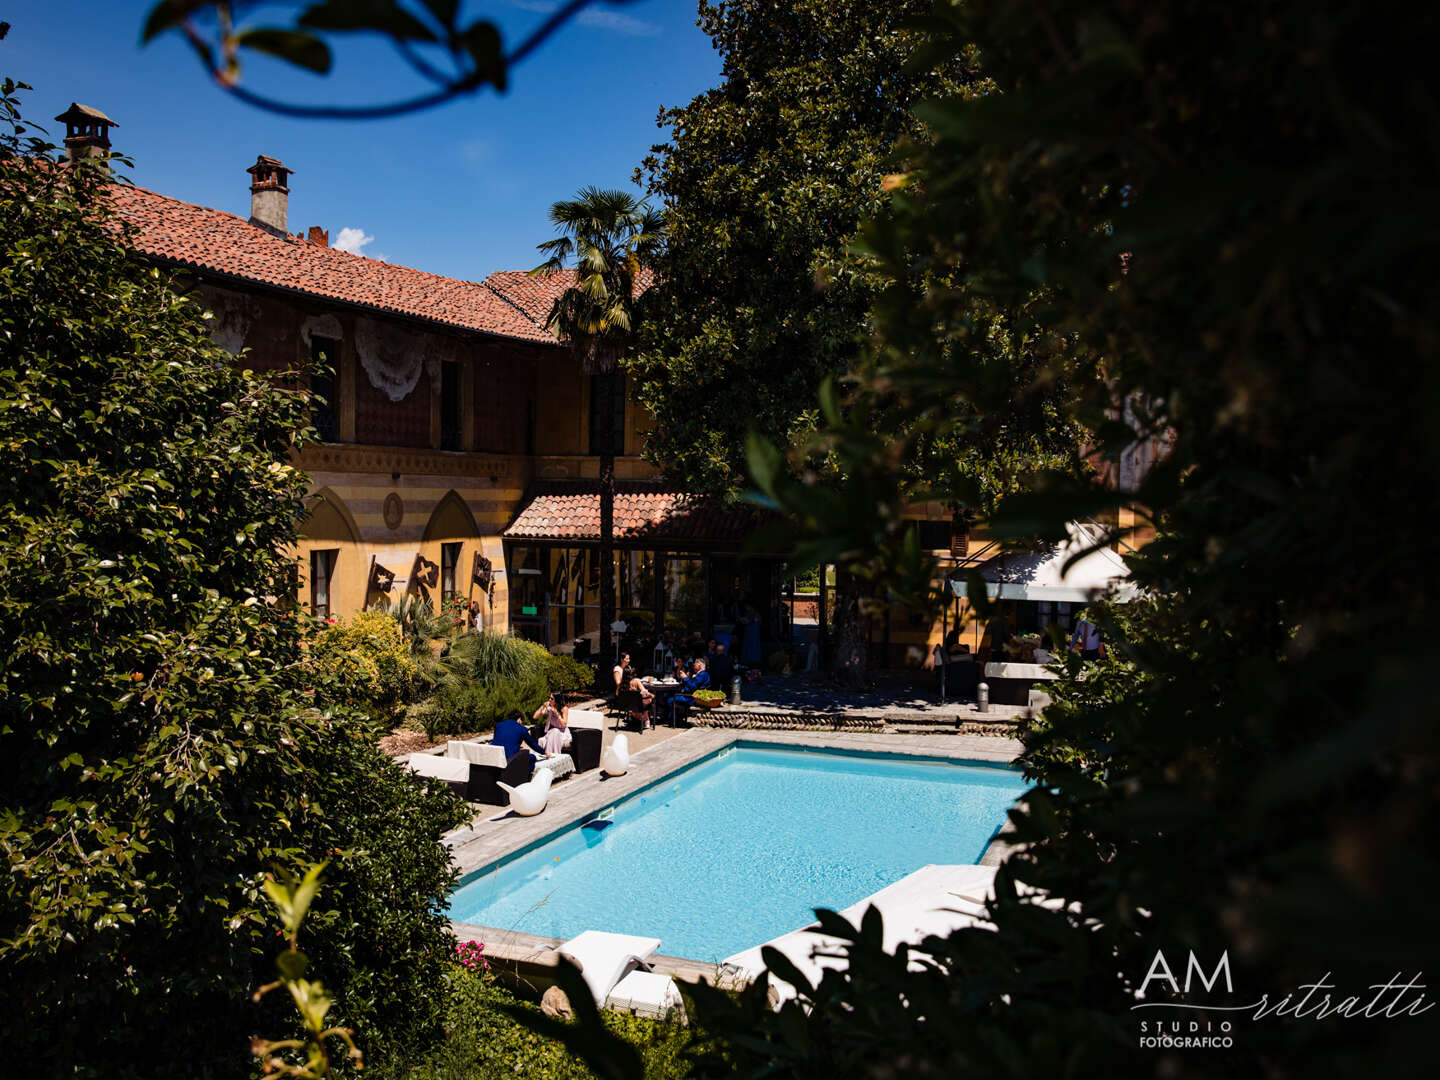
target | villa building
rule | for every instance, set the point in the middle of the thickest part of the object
(457, 443)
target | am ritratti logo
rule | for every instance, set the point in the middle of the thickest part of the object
(1215, 1025)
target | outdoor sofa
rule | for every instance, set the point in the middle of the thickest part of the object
(473, 770)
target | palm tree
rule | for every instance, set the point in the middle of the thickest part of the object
(612, 238)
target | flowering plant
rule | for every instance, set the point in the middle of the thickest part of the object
(456, 610)
(471, 956)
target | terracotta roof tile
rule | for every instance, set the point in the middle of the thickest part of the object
(639, 515)
(198, 237)
(534, 297)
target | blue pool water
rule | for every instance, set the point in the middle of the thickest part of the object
(740, 848)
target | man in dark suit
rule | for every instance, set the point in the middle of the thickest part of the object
(699, 681)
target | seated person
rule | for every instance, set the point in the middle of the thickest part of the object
(557, 722)
(629, 680)
(511, 733)
(617, 673)
(720, 666)
(699, 681)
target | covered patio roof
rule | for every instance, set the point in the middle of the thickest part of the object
(1042, 575)
(642, 518)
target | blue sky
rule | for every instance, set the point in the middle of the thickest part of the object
(461, 190)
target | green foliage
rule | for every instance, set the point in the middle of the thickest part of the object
(565, 674)
(612, 237)
(462, 57)
(1223, 212)
(370, 654)
(161, 730)
(485, 1042)
(489, 657)
(468, 707)
(765, 181)
(306, 1058)
(489, 676)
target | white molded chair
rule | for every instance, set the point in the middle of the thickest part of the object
(616, 759)
(529, 799)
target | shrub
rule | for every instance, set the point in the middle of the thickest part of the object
(490, 657)
(369, 654)
(466, 707)
(564, 674)
(491, 675)
(485, 1042)
(163, 734)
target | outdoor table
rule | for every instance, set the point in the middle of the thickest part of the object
(663, 690)
(1010, 682)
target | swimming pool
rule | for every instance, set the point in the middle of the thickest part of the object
(741, 847)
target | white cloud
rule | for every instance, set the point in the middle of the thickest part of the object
(595, 17)
(617, 21)
(351, 240)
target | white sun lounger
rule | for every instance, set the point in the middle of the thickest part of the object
(647, 993)
(933, 901)
(605, 958)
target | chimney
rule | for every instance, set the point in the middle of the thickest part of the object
(269, 195)
(319, 236)
(87, 133)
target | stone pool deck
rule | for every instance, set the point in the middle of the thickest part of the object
(496, 832)
(891, 705)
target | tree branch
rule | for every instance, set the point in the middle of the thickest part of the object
(450, 89)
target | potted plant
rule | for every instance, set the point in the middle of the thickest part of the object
(709, 699)
(1027, 643)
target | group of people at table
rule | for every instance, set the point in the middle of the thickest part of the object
(714, 669)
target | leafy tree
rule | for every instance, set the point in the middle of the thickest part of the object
(765, 182)
(1226, 212)
(163, 738)
(612, 238)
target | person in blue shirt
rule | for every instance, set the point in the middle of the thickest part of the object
(699, 681)
(511, 733)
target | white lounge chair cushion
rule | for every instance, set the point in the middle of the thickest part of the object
(585, 718)
(646, 993)
(934, 900)
(604, 958)
(442, 768)
(476, 753)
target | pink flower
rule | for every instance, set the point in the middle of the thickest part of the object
(470, 955)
